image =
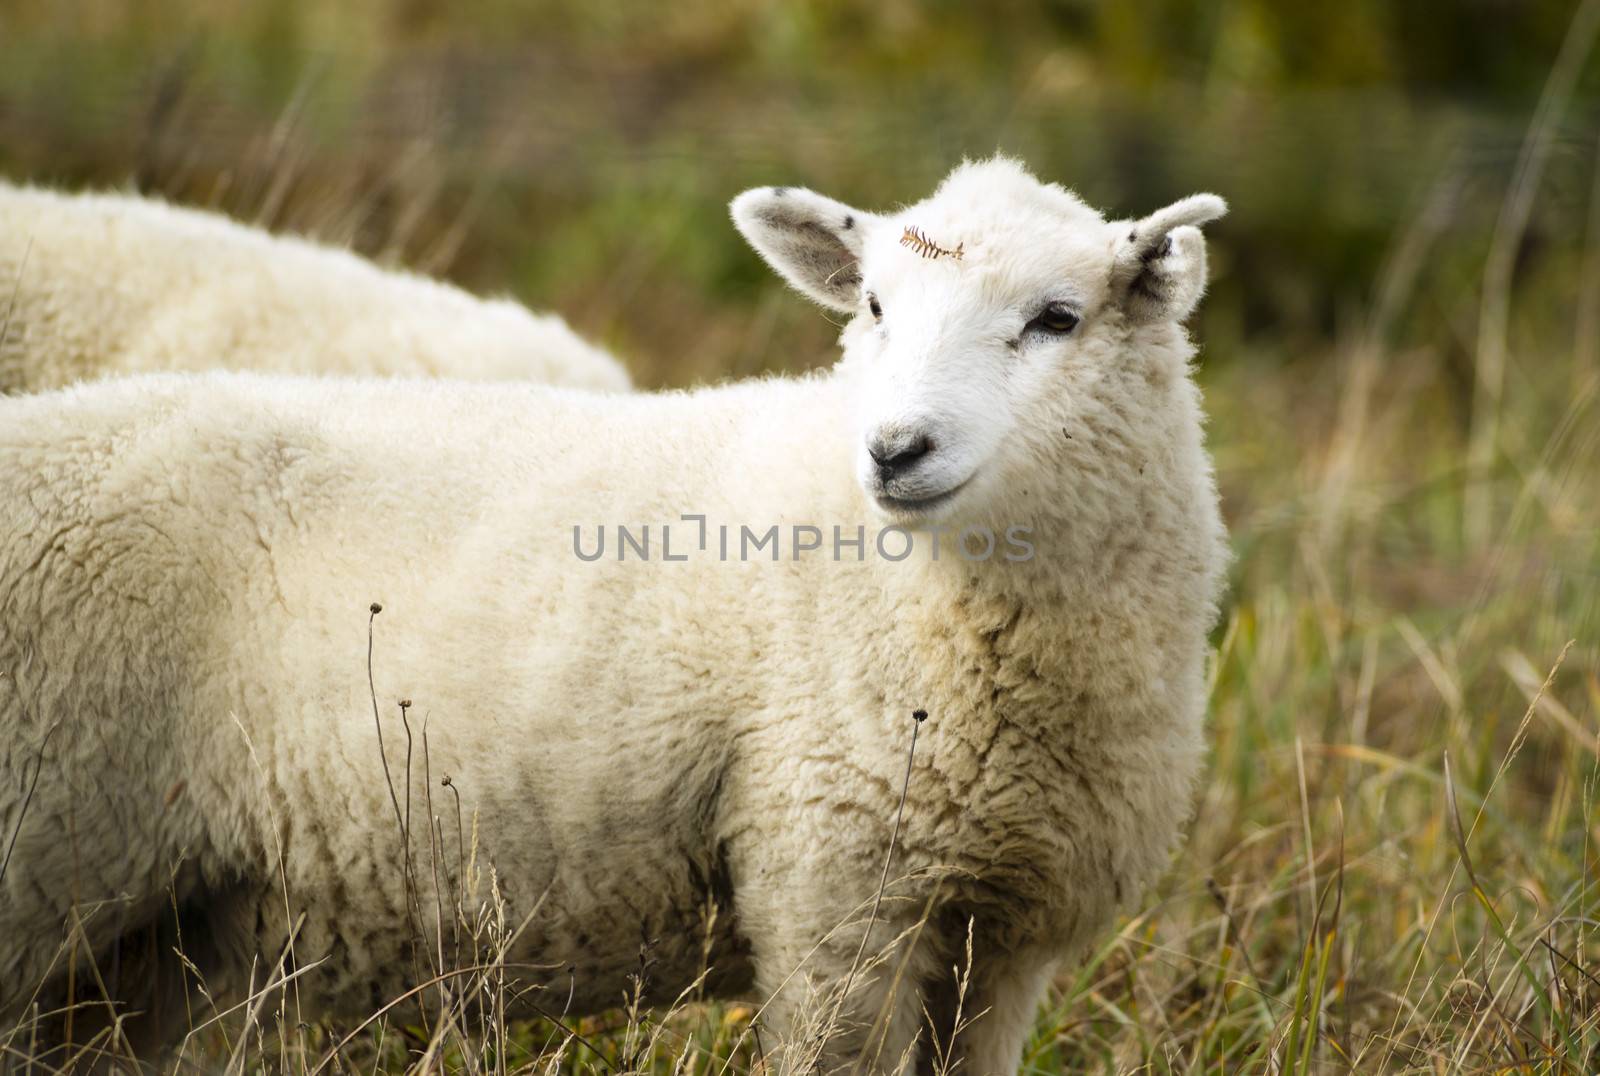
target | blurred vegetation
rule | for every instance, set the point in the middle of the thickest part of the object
(580, 156)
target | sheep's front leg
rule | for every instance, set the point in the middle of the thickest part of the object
(980, 1031)
(837, 1006)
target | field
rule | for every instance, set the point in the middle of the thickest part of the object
(1395, 859)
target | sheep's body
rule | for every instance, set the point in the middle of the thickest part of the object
(186, 564)
(101, 284)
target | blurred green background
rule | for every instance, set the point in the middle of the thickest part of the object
(581, 155)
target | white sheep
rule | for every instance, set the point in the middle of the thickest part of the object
(712, 711)
(93, 285)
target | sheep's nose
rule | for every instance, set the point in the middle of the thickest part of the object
(898, 451)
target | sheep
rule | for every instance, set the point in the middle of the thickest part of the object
(98, 284)
(684, 753)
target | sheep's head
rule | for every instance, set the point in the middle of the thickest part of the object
(978, 315)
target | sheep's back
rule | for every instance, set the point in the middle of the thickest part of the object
(105, 284)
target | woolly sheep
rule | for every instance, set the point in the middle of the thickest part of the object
(707, 714)
(99, 284)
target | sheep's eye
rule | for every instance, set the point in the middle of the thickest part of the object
(874, 306)
(1057, 318)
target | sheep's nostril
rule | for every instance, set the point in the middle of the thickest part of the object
(915, 450)
(897, 453)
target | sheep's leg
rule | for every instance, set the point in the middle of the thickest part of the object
(876, 1028)
(838, 1006)
(980, 1030)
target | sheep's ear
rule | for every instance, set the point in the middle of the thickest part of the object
(1159, 269)
(813, 242)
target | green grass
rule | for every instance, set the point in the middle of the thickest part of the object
(1395, 861)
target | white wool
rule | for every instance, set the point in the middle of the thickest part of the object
(94, 285)
(186, 564)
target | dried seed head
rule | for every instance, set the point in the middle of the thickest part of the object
(918, 241)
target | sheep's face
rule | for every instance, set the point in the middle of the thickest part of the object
(976, 315)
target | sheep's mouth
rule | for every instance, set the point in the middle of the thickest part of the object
(918, 506)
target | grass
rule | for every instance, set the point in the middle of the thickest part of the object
(1395, 860)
